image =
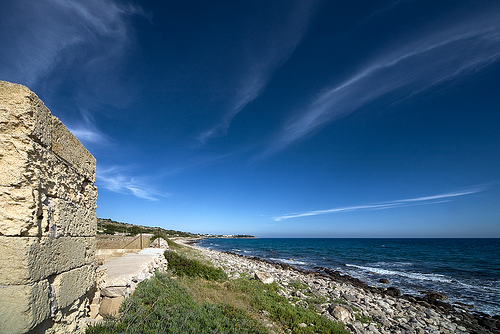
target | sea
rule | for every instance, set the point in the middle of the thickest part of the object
(466, 270)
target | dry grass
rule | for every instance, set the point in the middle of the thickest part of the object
(215, 292)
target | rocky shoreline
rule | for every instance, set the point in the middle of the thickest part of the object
(363, 308)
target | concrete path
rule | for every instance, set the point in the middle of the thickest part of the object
(124, 273)
(121, 276)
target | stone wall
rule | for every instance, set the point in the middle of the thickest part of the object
(47, 219)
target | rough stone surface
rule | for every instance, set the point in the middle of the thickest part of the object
(47, 219)
(67, 147)
(23, 113)
(71, 285)
(25, 259)
(110, 306)
(23, 306)
(35, 177)
(341, 313)
(264, 276)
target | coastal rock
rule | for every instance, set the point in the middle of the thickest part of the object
(264, 276)
(351, 298)
(299, 294)
(433, 295)
(466, 306)
(383, 280)
(341, 313)
(394, 292)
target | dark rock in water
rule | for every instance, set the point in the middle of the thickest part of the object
(463, 305)
(344, 278)
(392, 291)
(445, 307)
(433, 295)
(383, 280)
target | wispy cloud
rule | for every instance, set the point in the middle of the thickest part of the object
(409, 68)
(89, 135)
(426, 200)
(119, 180)
(70, 48)
(87, 132)
(43, 35)
(273, 52)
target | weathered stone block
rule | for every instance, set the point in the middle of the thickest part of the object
(47, 218)
(74, 220)
(110, 306)
(73, 284)
(23, 113)
(24, 162)
(264, 276)
(13, 161)
(26, 260)
(18, 210)
(23, 306)
(27, 167)
(69, 148)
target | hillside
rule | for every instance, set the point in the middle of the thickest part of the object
(108, 226)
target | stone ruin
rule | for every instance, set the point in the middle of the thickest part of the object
(47, 219)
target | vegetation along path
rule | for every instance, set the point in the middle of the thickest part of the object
(206, 291)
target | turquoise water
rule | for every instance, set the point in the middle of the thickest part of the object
(466, 270)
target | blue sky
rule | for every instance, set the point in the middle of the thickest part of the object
(275, 118)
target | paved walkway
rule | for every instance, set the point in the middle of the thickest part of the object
(124, 273)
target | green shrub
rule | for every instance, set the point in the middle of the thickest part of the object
(184, 266)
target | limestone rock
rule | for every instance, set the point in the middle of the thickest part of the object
(341, 313)
(47, 218)
(110, 306)
(25, 260)
(22, 307)
(299, 294)
(264, 276)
